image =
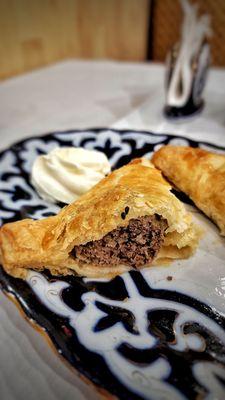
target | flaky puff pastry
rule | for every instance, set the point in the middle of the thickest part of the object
(48, 243)
(198, 173)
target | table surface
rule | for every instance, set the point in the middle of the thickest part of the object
(78, 94)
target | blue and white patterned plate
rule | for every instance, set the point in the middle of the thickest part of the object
(154, 334)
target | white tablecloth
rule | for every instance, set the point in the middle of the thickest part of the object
(77, 94)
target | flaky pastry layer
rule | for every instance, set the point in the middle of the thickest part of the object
(198, 173)
(48, 243)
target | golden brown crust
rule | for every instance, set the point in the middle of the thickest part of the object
(49, 242)
(198, 173)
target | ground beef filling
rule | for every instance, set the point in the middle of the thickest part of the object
(135, 245)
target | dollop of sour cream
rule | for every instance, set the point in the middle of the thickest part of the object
(66, 173)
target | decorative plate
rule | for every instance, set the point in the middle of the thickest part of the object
(154, 334)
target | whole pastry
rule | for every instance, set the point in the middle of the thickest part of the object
(198, 173)
(130, 219)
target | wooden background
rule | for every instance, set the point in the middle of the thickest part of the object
(166, 20)
(37, 32)
(34, 33)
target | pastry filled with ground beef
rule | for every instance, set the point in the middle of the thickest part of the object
(130, 219)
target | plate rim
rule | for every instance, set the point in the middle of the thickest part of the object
(100, 129)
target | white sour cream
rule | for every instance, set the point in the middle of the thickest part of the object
(67, 173)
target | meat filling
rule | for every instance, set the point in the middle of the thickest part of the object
(134, 245)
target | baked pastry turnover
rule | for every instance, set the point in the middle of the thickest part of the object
(198, 173)
(130, 219)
